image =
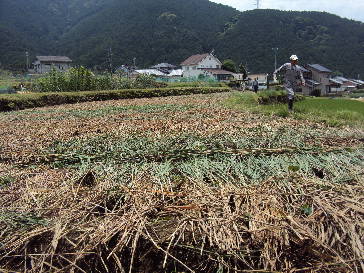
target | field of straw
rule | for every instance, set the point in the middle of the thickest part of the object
(178, 184)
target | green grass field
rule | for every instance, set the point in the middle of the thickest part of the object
(334, 112)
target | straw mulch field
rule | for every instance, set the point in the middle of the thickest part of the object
(178, 184)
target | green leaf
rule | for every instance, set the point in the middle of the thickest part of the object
(294, 168)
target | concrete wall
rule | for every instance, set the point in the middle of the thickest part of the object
(210, 62)
(191, 71)
(47, 67)
(323, 79)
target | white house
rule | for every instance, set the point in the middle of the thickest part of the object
(45, 64)
(207, 65)
(194, 65)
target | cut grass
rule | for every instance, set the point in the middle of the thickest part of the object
(166, 184)
(334, 112)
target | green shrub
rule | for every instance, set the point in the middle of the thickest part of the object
(316, 93)
(23, 101)
(82, 79)
(272, 97)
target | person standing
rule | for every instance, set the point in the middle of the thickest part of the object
(292, 74)
(255, 85)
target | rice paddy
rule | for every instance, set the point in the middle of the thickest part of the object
(178, 184)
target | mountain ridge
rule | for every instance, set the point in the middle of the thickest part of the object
(171, 30)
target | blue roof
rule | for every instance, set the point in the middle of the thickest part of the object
(320, 68)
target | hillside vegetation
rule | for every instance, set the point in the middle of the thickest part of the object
(171, 30)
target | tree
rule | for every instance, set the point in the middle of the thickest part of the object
(242, 70)
(229, 65)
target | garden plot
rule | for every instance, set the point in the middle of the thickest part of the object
(178, 184)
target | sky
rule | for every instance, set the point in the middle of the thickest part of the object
(351, 9)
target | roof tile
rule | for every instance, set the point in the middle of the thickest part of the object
(195, 59)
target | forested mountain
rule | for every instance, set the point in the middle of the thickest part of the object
(38, 25)
(171, 30)
(316, 37)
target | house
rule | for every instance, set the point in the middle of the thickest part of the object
(318, 80)
(360, 84)
(262, 77)
(218, 74)
(239, 76)
(345, 84)
(164, 67)
(153, 72)
(205, 65)
(176, 73)
(44, 64)
(336, 85)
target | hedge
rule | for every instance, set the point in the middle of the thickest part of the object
(11, 102)
(273, 97)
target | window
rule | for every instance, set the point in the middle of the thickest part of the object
(217, 66)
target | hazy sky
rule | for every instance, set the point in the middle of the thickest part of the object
(352, 9)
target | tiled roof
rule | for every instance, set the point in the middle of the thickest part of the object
(218, 71)
(164, 65)
(195, 59)
(150, 72)
(312, 82)
(360, 82)
(320, 68)
(56, 59)
(341, 79)
(337, 81)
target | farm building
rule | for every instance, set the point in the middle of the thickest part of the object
(347, 84)
(218, 74)
(164, 67)
(262, 77)
(205, 65)
(44, 64)
(317, 79)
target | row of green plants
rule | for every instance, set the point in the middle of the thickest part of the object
(83, 79)
(11, 102)
(195, 157)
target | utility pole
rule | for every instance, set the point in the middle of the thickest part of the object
(27, 59)
(275, 49)
(258, 4)
(110, 60)
(134, 62)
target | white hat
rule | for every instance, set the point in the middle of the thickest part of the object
(294, 58)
